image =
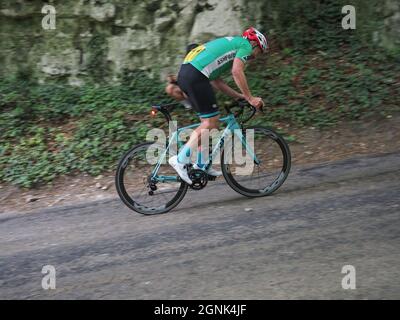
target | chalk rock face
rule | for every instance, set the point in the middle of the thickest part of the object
(132, 49)
(61, 64)
(391, 35)
(96, 39)
(102, 13)
(217, 18)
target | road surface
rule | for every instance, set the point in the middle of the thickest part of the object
(219, 245)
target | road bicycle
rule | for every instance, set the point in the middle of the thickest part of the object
(153, 187)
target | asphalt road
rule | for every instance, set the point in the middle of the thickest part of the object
(219, 245)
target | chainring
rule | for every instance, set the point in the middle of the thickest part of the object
(199, 179)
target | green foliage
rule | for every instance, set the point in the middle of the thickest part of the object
(310, 25)
(97, 63)
(51, 130)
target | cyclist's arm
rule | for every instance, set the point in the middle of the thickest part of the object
(220, 85)
(240, 78)
(241, 82)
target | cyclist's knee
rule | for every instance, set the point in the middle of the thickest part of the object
(174, 91)
(169, 89)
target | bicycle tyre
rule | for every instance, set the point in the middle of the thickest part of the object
(281, 177)
(129, 201)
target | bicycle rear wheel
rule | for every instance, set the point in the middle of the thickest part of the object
(264, 176)
(142, 192)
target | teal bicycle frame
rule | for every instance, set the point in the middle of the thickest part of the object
(231, 125)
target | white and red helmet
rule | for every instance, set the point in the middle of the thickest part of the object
(252, 34)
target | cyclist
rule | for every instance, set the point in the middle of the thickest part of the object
(205, 64)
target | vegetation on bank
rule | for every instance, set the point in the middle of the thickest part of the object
(313, 77)
(51, 130)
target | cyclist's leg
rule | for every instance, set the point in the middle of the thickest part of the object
(203, 150)
(175, 92)
(202, 97)
(195, 140)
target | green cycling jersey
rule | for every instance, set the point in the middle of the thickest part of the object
(216, 57)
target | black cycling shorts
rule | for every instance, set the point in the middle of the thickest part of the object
(199, 91)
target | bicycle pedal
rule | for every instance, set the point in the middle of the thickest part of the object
(211, 178)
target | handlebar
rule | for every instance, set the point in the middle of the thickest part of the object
(243, 104)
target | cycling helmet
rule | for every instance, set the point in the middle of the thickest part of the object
(255, 35)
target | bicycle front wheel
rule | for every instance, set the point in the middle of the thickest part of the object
(142, 190)
(266, 167)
